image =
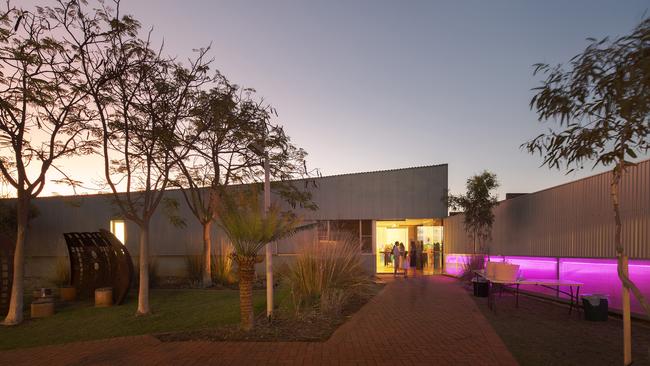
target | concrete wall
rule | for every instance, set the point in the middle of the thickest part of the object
(571, 220)
(393, 194)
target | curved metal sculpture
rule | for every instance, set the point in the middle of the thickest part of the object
(6, 272)
(99, 259)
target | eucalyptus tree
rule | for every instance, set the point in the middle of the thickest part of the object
(43, 118)
(226, 120)
(602, 106)
(141, 101)
(477, 205)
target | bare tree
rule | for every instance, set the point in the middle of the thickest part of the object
(226, 120)
(141, 100)
(42, 116)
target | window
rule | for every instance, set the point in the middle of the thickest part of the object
(360, 230)
(118, 228)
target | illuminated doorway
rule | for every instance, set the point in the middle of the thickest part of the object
(118, 228)
(421, 237)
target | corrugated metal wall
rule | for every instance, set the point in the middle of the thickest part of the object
(572, 220)
(391, 194)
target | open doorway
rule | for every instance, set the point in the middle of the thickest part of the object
(422, 238)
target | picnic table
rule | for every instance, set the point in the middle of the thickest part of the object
(553, 284)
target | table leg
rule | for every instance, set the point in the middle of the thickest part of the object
(490, 294)
(571, 302)
(578, 300)
(517, 297)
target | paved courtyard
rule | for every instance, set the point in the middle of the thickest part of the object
(415, 321)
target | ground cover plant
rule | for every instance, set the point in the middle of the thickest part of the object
(175, 310)
(287, 325)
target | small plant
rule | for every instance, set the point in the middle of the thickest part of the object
(472, 263)
(325, 275)
(194, 266)
(61, 272)
(222, 269)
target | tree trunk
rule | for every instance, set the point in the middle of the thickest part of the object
(207, 255)
(143, 291)
(622, 264)
(15, 313)
(618, 242)
(474, 241)
(246, 268)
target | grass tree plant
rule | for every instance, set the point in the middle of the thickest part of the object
(250, 230)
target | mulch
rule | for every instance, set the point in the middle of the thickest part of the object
(311, 326)
(541, 332)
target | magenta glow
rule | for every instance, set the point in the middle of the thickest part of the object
(598, 275)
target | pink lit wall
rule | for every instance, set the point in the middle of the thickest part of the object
(598, 275)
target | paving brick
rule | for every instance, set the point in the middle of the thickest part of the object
(415, 321)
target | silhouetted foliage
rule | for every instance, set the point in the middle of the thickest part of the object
(141, 101)
(43, 115)
(226, 120)
(602, 106)
(477, 206)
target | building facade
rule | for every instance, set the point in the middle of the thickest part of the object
(379, 207)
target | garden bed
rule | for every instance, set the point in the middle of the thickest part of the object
(285, 327)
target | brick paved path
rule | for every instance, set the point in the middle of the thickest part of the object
(422, 321)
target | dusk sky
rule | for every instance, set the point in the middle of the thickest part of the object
(374, 85)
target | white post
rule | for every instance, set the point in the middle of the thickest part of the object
(269, 251)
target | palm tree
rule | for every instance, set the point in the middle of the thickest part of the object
(249, 231)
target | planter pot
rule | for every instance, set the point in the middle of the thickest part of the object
(42, 308)
(481, 288)
(68, 293)
(490, 268)
(506, 272)
(596, 307)
(104, 297)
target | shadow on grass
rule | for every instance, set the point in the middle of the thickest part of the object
(172, 310)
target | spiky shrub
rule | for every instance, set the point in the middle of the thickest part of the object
(222, 268)
(194, 267)
(325, 275)
(472, 263)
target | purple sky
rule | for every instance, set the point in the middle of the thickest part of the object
(373, 85)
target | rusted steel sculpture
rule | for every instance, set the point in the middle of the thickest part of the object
(6, 272)
(99, 259)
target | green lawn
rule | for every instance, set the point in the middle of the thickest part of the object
(173, 310)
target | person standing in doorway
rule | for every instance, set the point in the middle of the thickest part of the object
(413, 250)
(404, 260)
(396, 258)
